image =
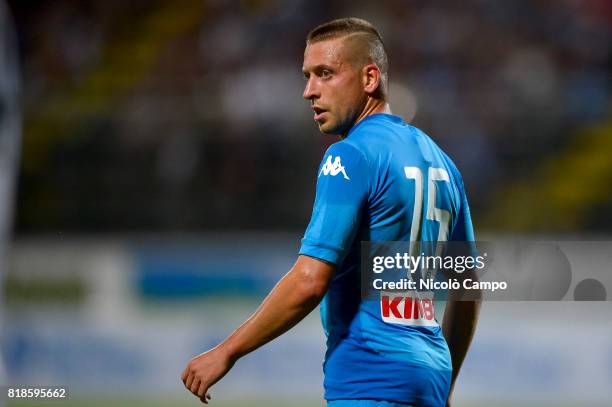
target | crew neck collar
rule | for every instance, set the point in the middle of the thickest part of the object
(380, 116)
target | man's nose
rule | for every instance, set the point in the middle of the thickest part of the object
(310, 90)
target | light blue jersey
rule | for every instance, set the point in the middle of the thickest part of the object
(386, 181)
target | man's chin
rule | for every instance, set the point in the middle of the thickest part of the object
(327, 129)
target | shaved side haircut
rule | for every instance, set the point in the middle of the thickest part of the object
(364, 41)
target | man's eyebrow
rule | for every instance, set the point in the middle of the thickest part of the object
(319, 67)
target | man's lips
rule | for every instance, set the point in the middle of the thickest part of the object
(318, 116)
(318, 113)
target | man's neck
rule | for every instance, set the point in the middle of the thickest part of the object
(374, 106)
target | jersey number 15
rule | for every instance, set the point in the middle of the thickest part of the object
(442, 216)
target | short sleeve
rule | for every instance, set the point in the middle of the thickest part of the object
(342, 194)
(463, 230)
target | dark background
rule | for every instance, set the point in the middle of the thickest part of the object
(187, 115)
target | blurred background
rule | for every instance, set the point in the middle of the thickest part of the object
(158, 171)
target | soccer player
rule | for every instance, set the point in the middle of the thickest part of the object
(383, 181)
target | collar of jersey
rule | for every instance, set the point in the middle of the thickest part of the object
(377, 116)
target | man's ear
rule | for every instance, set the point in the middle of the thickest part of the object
(371, 79)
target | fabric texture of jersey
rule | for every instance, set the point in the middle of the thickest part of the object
(366, 189)
(366, 403)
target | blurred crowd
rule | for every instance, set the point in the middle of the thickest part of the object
(187, 115)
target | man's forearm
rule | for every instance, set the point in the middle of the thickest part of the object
(459, 326)
(293, 297)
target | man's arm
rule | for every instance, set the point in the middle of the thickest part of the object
(293, 297)
(458, 327)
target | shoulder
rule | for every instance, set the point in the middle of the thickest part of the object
(453, 169)
(370, 138)
(348, 150)
(345, 158)
(436, 156)
(443, 156)
(455, 175)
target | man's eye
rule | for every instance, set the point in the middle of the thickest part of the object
(325, 73)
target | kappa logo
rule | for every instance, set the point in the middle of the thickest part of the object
(333, 168)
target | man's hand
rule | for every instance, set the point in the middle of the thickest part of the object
(295, 295)
(205, 370)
